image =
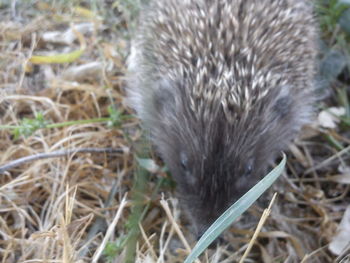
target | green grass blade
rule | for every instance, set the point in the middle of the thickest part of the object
(238, 208)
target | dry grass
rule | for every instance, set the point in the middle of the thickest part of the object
(70, 208)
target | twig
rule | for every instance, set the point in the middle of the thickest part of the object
(313, 253)
(100, 223)
(258, 229)
(55, 154)
(172, 220)
(110, 230)
(328, 161)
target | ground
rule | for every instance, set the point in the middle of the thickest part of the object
(81, 198)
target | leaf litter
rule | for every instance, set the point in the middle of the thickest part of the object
(72, 208)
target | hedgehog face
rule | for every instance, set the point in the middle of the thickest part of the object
(214, 160)
(208, 180)
(209, 186)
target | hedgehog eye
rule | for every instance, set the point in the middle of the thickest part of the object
(282, 106)
(184, 161)
(248, 168)
(186, 169)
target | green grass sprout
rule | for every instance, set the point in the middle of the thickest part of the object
(238, 208)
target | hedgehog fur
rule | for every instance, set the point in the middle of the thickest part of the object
(223, 86)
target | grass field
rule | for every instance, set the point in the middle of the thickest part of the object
(79, 196)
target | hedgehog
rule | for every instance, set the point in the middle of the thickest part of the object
(222, 86)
